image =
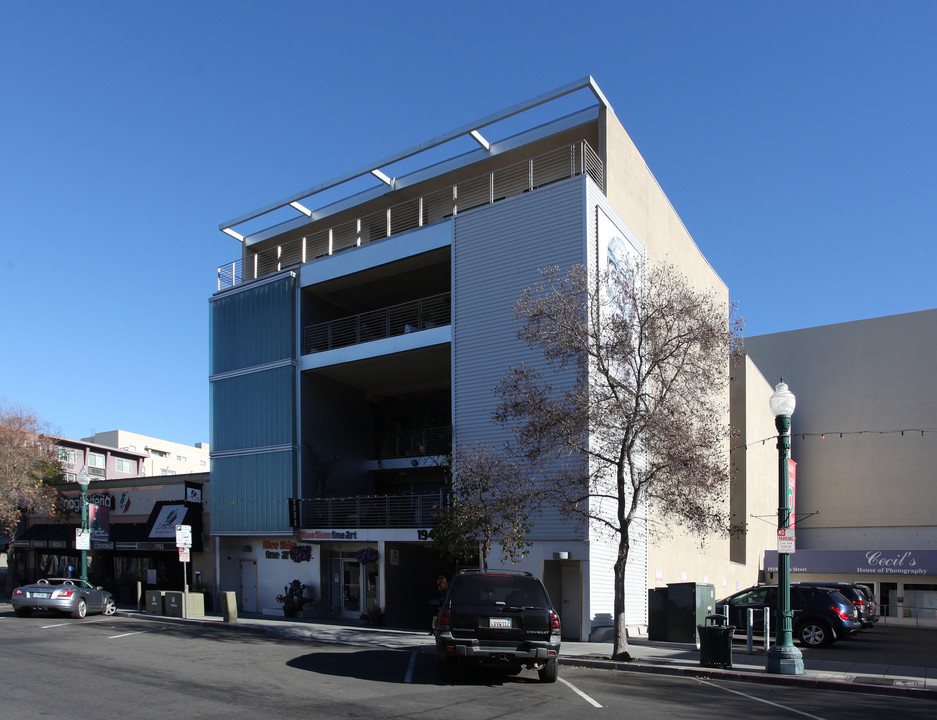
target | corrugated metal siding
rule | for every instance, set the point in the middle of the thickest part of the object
(497, 253)
(252, 496)
(254, 326)
(602, 551)
(636, 572)
(603, 548)
(253, 401)
(253, 410)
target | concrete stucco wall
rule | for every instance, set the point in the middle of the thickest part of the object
(869, 380)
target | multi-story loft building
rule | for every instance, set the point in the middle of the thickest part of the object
(163, 457)
(359, 335)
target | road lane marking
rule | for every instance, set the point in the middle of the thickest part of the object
(762, 700)
(69, 624)
(408, 678)
(138, 632)
(579, 692)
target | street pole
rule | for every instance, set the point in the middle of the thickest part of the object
(783, 658)
(83, 480)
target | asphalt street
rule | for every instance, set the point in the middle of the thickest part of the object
(151, 668)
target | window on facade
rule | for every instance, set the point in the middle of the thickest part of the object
(68, 455)
(202, 463)
(158, 453)
(167, 472)
(124, 465)
(181, 458)
(96, 460)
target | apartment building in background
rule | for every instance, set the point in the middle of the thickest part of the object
(360, 329)
(163, 457)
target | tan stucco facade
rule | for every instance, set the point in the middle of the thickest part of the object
(674, 556)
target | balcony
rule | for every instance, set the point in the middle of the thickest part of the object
(526, 176)
(374, 512)
(408, 317)
(412, 444)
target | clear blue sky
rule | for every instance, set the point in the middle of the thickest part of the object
(796, 140)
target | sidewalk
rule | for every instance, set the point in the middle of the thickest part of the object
(649, 657)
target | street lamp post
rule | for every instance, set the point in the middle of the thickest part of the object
(83, 481)
(783, 658)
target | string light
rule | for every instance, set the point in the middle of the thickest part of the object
(822, 435)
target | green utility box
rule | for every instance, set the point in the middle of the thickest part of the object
(154, 602)
(715, 642)
(688, 604)
(657, 614)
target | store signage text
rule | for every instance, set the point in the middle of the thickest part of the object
(866, 562)
(73, 504)
(328, 534)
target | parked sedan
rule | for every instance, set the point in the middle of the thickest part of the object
(821, 615)
(69, 596)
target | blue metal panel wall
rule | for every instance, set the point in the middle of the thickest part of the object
(497, 253)
(253, 326)
(253, 406)
(254, 410)
(253, 492)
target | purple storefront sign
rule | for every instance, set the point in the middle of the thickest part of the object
(864, 562)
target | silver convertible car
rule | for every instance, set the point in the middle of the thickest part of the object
(70, 596)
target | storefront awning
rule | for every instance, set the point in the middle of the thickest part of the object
(46, 536)
(161, 525)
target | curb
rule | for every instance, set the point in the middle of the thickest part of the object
(739, 676)
(635, 666)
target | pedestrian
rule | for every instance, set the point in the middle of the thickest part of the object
(442, 587)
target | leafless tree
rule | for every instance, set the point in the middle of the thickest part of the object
(28, 461)
(489, 503)
(643, 419)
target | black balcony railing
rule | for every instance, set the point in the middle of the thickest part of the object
(413, 316)
(373, 511)
(416, 443)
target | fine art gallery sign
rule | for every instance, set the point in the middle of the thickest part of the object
(862, 562)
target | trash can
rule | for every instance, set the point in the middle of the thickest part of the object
(154, 602)
(715, 642)
(174, 604)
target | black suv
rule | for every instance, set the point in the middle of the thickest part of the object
(858, 595)
(498, 618)
(821, 615)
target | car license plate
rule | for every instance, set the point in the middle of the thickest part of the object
(499, 622)
(40, 595)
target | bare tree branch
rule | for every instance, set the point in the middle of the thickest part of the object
(645, 420)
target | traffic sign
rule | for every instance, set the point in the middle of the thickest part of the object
(786, 541)
(184, 536)
(82, 539)
(184, 555)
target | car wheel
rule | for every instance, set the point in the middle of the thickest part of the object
(81, 609)
(23, 612)
(110, 607)
(548, 672)
(447, 670)
(815, 633)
